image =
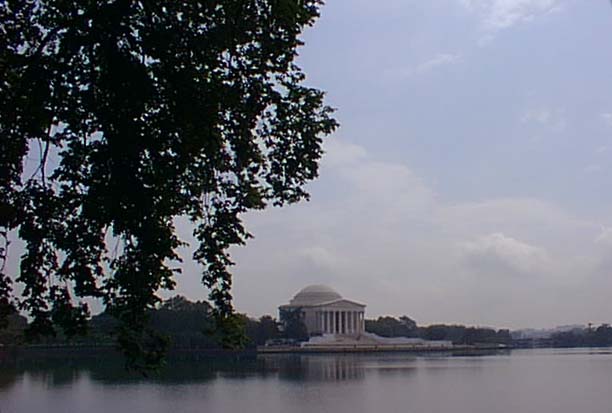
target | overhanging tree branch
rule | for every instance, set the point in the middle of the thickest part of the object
(158, 123)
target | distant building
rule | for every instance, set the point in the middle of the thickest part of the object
(324, 311)
(328, 322)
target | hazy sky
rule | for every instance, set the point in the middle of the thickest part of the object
(470, 179)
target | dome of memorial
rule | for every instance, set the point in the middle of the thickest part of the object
(314, 294)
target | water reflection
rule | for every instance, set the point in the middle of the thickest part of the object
(566, 381)
(111, 370)
(291, 367)
(8, 378)
(316, 367)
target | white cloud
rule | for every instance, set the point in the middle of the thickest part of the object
(521, 216)
(593, 168)
(322, 258)
(338, 154)
(605, 236)
(607, 118)
(502, 14)
(377, 232)
(437, 61)
(542, 116)
(374, 183)
(441, 59)
(498, 253)
(553, 119)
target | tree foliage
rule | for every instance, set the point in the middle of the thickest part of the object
(117, 117)
(392, 327)
(584, 337)
(262, 330)
(12, 333)
(294, 327)
(183, 324)
(458, 334)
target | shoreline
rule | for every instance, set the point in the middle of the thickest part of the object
(375, 349)
(11, 354)
(49, 352)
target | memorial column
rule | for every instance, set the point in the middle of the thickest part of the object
(349, 330)
(362, 322)
(334, 323)
(345, 322)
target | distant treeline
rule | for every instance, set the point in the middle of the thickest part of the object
(584, 337)
(187, 325)
(458, 334)
(13, 332)
(191, 325)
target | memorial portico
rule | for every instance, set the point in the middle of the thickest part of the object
(324, 311)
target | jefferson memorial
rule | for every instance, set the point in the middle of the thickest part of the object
(324, 311)
(334, 323)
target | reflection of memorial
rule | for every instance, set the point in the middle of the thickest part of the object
(316, 367)
(334, 368)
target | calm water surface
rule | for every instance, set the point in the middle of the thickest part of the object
(560, 381)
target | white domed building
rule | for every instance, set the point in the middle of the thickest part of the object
(324, 311)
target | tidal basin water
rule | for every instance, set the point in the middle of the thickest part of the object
(560, 381)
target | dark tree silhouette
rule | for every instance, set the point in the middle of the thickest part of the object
(262, 330)
(136, 113)
(392, 327)
(292, 320)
